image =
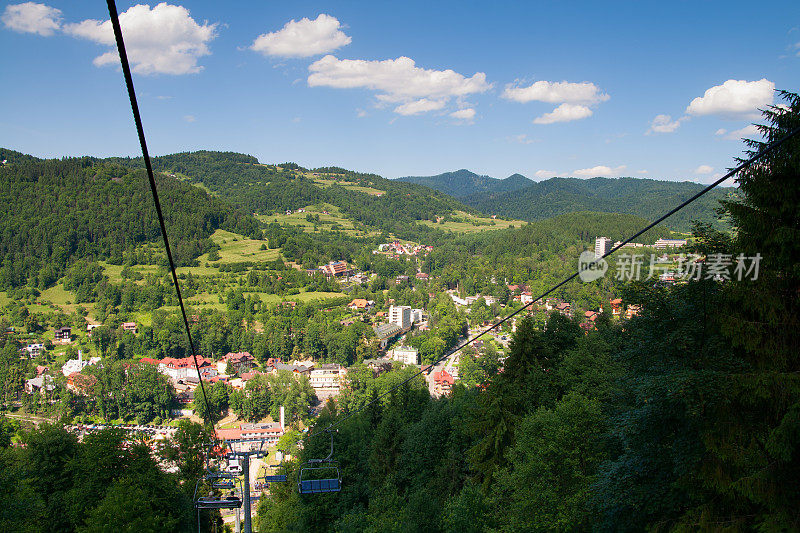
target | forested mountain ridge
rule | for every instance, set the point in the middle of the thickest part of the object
(464, 183)
(58, 211)
(520, 198)
(368, 199)
(647, 198)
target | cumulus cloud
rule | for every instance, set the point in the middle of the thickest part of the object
(574, 99)
(664, 124)
(737, 135)
(522, 138)
(600, 170)
(544, 174)
(556, 92)
(704, 169)
(415, 107)
(303, 38)
(734, 99)
(161, 40)
(397, 81)
(31, 17)
(564, 113)
(464, 114)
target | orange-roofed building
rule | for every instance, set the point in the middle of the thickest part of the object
(443, 382)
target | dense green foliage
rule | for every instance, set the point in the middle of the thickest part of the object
(102, 484)
(683, 418)
(57, 211)
(519, 198)
(463, 183)
(266, 189)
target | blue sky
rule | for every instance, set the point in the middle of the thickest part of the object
(647, 89)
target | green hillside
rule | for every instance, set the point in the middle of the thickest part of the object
(517, 197)
(365, 199)
(57, 211)
(642, 197)
(463, 183)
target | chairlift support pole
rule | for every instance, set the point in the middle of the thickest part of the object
(245, 458)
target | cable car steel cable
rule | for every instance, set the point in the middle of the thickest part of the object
(767, 149)
(126, 70)
(335, 487)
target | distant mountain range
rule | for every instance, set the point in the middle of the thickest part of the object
(464, 183)
(519, 197)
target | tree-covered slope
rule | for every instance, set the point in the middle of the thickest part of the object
(463, 183)
(642, 197)
(240, 180)
(58, 211)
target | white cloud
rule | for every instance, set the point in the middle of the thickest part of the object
(556, 92)
(31, 17)
(600, 170)
(664, 124)
(161, 40)
(397, 81)
(544, 174)
(189, 118)
(464, 114)
(737, 135)
(704, 169)
(734, 99)
(303, 38)
(415, 107)
(564, 113)
(522, 138)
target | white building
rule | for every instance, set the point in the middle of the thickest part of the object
(326, 377)
(34, 350)
(405, 354)
(601, 246)
(400, 315)
(669, 243)
(417, 315)
(76, 365)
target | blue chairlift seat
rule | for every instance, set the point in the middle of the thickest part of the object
(275, 479)
(312, 480)
(319, 486)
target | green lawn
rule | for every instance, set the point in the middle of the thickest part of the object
(473, 224)
(114, 272)
(240, 249)
(326, 221)
(308, 296)
(349, 185)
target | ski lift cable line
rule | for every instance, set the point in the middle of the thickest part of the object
(767, 149)
(126, 70)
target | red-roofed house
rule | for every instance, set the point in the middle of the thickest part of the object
(182, 368)
(239, 362)
(335, 269)
(360, 304)
(442, 382)
(616, 306)
(129, 327)
(253, 433)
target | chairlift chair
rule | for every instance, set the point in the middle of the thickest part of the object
(319, 476)
(212, 501)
